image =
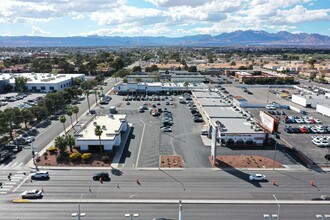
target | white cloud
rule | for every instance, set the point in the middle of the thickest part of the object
(299, 14)
(174, 3)
(36, 31)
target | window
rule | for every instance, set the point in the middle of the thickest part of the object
(42, 88)
(51, 88)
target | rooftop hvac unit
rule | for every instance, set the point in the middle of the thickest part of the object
(95, 123)
(104, 127)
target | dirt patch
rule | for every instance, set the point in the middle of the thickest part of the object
(171, 161)
(241, 161)
(94, 161)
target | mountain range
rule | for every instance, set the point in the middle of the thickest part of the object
(236, 38)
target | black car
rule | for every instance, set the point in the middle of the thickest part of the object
(99, 175)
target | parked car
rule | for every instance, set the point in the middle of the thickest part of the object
(257, 177)
(166, 129)
(32, 194)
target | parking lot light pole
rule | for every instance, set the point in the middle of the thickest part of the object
(275, 149)
(278, 208)
(132, 216)
(79, 214)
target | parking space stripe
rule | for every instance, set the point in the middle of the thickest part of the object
(14, 165)
(8, 165)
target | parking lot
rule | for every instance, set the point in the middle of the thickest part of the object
(299, 140)
(10, 100)
(148, 141)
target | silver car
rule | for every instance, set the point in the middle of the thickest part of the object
(32, 194)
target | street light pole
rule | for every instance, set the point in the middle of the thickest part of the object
(278, 208)
(131, 215)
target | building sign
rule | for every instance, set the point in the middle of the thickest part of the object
(267, 121)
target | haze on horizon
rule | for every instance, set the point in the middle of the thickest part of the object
(171, 18)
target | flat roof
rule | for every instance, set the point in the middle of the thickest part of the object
(236, 125)
(222, 112)
(213, 102)
(39, 77)
(110, 125)
(206, 94)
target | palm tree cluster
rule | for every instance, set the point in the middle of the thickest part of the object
(61, 143)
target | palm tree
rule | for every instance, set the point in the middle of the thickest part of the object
(87, 93)
(69, 113)
(98, 132)
(60, 143)
(96, 93)
(75, 110)
(71, 141)
(186, 84)
(63, 120)
(102, 91)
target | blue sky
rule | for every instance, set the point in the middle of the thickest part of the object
(172, 18)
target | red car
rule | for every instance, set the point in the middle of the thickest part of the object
(312, 120)
(303, 130)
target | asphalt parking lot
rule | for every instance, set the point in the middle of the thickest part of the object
(148, 142)
(30, 96)
(300, 141)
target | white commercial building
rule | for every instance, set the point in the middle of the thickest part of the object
(235, 126)
(113, 127)
(311, 100)
(42, 82)
(157, 87)
(323, 109)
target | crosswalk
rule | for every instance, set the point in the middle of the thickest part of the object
(10, 185)
(11, 165)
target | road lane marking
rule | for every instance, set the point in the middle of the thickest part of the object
(13, 164)
(141, 141)
(8, 165)
(21, 183)
(20, 164)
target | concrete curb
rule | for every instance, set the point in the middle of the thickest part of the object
(173, 201)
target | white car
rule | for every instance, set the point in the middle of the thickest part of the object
(29, 139)
(318, 121)
(257, 177)
(270, 107)
(31, 194)
(166, 129)
(40, 175)
(317, 143)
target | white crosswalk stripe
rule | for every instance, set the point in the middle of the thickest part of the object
(14, 165)
(15, 179)
(8, 165)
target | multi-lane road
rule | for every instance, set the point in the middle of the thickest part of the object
(214, 194)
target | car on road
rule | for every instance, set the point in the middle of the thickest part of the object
(32, 194)
(101, 175)
(40, 175)
(29, 139)
(257, 177)
(17, 149)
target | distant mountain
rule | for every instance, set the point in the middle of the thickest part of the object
(237, 38)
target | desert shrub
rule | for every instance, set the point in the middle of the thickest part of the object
(52, 149)
(86, 156)
(60, 157)
(106, 159)
(45, 155)
(75, 156)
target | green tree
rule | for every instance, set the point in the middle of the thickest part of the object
(27, 117)
(186, 84)
(75, 110)
(152, 68)
(98, 132)
(63, 120)
(87, 93)
(69, 113)
(96, 93)
(233, 63)
(137, 79)
(60, 143)
(20, 83)
(71, 141)
(125, 80)
(192, 69)
(137, 69)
